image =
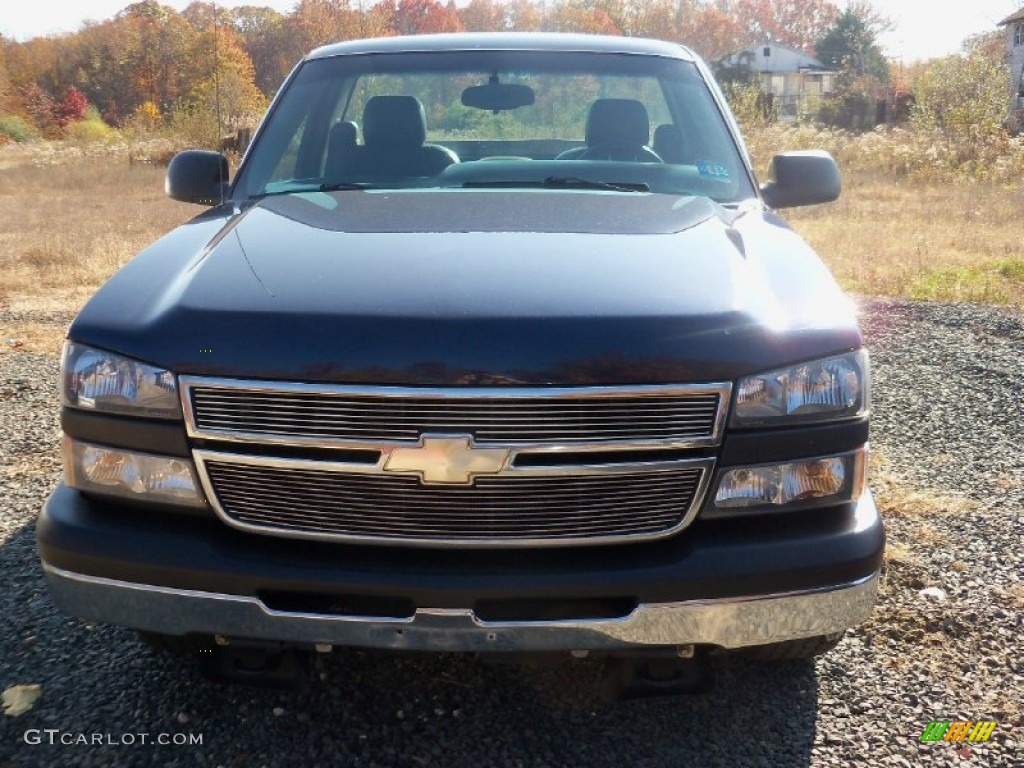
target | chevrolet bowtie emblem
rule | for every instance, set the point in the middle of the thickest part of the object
(447, 459)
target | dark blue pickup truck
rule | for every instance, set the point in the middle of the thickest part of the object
(493, 343)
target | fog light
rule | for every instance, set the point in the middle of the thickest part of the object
(791, 485)
(128, 474)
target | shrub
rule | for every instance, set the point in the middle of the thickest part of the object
(16, 128)
(921, 153)
(91, 128)
(193, 125)
(965, 97)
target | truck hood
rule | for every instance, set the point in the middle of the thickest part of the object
(490, 287)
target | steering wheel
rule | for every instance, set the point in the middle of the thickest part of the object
(620, 150)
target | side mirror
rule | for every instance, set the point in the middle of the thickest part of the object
(197, 176)
(801, 178)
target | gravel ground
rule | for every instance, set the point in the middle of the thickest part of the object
(949, 430)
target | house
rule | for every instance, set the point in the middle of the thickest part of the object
(1014, 24)
(786, 75)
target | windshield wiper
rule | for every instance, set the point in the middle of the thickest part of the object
(339, 186)
(575, 182)
(562, 182)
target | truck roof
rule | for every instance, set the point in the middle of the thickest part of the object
(506, 41)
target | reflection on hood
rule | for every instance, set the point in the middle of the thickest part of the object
(396, 211)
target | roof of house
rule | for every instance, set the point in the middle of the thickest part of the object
(1017, 16)
(781, 59)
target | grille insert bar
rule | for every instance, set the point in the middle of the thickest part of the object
(310, 499)
(299, 414)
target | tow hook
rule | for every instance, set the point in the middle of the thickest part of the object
(651, 675)
(257, 665)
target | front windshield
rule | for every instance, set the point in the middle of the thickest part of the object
(479, 119)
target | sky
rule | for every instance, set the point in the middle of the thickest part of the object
(922, 30)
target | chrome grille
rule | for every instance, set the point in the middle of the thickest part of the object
(295, 497)
(303, 414)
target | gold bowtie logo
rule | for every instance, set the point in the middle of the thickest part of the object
(447, 459)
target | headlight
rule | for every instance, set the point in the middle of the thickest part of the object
(129, 474)
(789, 485)
(102, 381)
(821, 390)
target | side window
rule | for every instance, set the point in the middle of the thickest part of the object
(288, 164)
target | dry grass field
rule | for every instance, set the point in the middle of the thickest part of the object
(922, 240)
(70, 219)
(66, 228)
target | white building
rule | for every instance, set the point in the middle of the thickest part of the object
(1014, 24)
(786, 75)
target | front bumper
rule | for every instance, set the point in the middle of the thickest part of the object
(727, 623)
(731, 583)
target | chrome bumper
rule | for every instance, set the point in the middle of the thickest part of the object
(727, 623)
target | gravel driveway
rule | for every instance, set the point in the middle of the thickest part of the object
(949, 432)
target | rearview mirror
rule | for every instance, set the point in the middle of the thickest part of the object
(801, 178)
(197, 176)
(498, 97)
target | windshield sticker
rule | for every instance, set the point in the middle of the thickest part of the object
(716, 171)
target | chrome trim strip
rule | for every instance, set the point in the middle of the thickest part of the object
(723, 390)
(202, 456)
(728, 623)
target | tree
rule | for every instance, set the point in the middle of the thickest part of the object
(524, 16)
(222, 82)
(656, 18)
(71, 108)
(261, 31)
(415, 17)
(991, 44)
(796, 23)
(483, 16)
(579, 16)
(850, 45)
(313, 23)
(41, 108)
(712, 31)
(8, 101)
(963, 96)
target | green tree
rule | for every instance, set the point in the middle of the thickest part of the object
(851, 44)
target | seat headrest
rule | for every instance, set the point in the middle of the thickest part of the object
(617, 121)
(344, 135)
(668, 142)
(394, 122)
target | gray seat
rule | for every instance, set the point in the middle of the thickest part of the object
(394, 135)
(669, 143)
(617, 129)
(342, 148)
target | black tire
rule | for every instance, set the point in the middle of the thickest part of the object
(176, 645)
(794, 650)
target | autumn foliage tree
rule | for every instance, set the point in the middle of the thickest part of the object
(796, 23)
(71, 108)
(151, 63)
(418, 17)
